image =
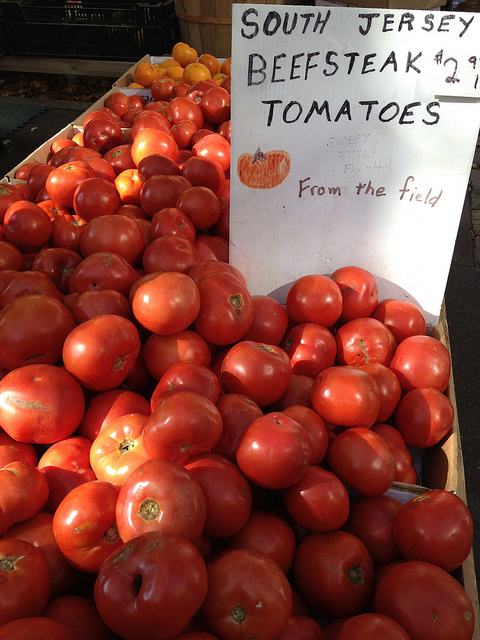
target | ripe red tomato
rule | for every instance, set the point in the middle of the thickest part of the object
(201, 205)
(371, 520)
(33, 329)
(215, 105)
(129, 185)
(95, 197)
(65, 465)
(270, 321)
(204, 172)
(64, 180)
(237, 581)
(334, 573)
(101, 134)
(213, 146)
(161, 352)
(169, 253)
(103, 270)
(359, 291)
(12, 451)
(186, 376)
(25, 580)
(314, 298)
(9, 194)
(319, 501)
(36, 179)
(84, 524)
(237, 412)
(39, 627)
(275, 451)
(57, 263)
(404, 467)
(170, 221)
(160, 495)
(436, 527)
(161, 191)
(268, 533)
(24, 493)
(148, 141)
(120, 158)
(422, 361)
(260, 371)
(390, 389)
(27, 226)
(364, 626)
(315, 428)
(423, 417)
(402, 317)
(226, 310)
(184, 424)
(118, 449)
(227, 493)
(133, 591)
(424, 598)
(101, 352)
(40, 403)
(311, 348)
(363, 341)
(90, 304)
(184, 108)
(363, 460)
(346, 396)
(67, 232)
(80, 615)
(10, 256)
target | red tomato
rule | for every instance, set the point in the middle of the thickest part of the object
(103, 169)
(183, 132)
(402, 317)
(80, 615)
(364, 341)
(201, 205)
(65, 465)
(260, 371)
(268, 533)
(95, 197)
(28, 282)
(25, 580)
(40, 403)
(102, 135)
(120, 158)
(424, 598)
(346, 396)
(319, 501)
(422, 361)
(186, 376)
(213, 146)
(237, 581)
(423, 417)
(183, 424)
(117, 102)
(133, 591)
(36, 178)
(101, 352)
(390, 389)
(238, 411)
(311, 348)
(90, 304)
(161, 352)
(170, 221)
(27, 226)
(404, 468)
(363, 460)
(10, 256)
(436, 527)
(269, 321)
(298, 392)
(206, 267)
(210, 247)
(334, 572)
(148, 141)
(84, 524)
(67, 232)
(364, 626)
(116, 234)
(62, 183)
(275, 451)
(371, 520)
(215, 105)
(359, 291)
(226, 310)
(57, 263)
(169, 253)
(162, 87)
(38, 627)
(33, 329)
(149, 120)
(24, 493)
(184, 108)
(38, 531)
(104, 407)
(161, 191)
(9, 194)
(157, 164)
(227, 493)
(13, 451)
(204, 172)
(118, 449)
(315, 428)
(314, 298)
(103, 270)
(162, 496)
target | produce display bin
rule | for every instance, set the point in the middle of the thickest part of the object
(85, 29)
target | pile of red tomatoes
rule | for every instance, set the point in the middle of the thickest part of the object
(182, 459)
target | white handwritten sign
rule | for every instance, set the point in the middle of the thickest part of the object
(373, 116)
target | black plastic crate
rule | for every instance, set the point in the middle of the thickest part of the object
(75, 33)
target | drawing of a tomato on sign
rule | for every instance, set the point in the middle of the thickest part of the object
(263, 170)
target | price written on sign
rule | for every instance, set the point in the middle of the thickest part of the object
(345, 144)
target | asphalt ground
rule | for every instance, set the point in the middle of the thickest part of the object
(462, 295)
